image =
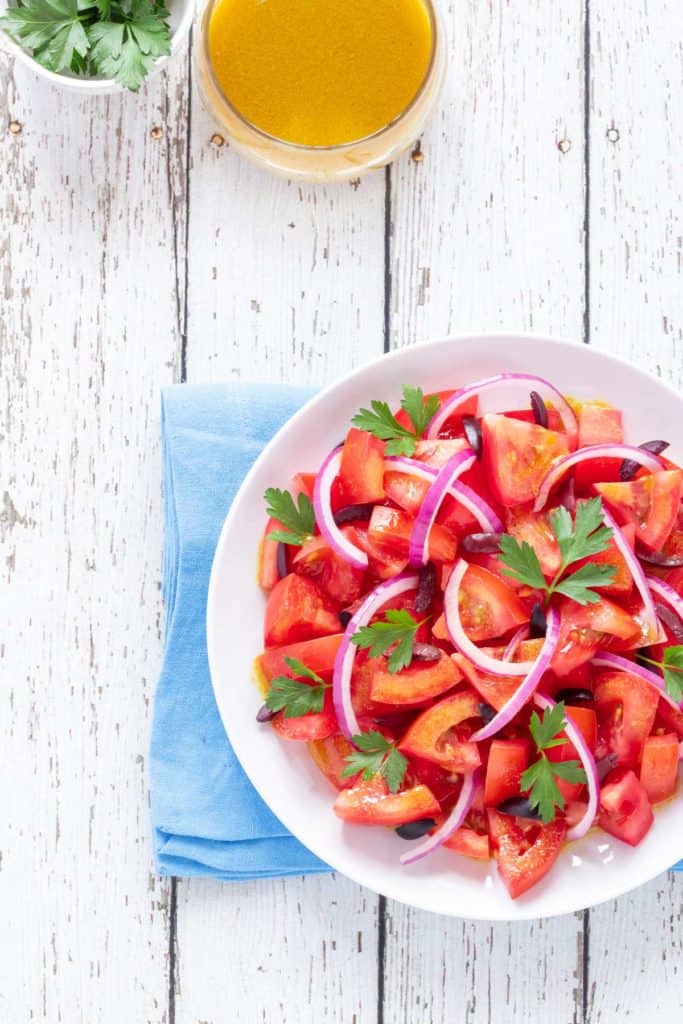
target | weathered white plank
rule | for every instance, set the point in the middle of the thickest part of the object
(92, 234)
(285, 282)
(487, 235)
(636, 278)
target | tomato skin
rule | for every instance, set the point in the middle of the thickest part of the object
(391, 529)
(527, 416)
(417, 683)
(383, 565)
(526, 850)
(583, 629)
(469, 843)
(437, 453)
(586, 722)
(268, 574)
(534, 528)
(318, 655)
(329, 755)
(622, 581)
(313, 726)
(488, 607)
(626, 707)
(362, 467)
(296, 611)
(408, 492)
(625, 809)
(497, 690)
(650, 502)
(598, 424)
(671, 719)
(342, 582)
(425, 737)
(516, 457)
(508, 759)
(371, 803)
(659, 766)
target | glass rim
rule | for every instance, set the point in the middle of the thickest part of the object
(337, 146)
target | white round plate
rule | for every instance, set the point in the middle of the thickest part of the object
(594, 869)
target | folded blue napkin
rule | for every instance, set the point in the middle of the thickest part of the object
(207, 817)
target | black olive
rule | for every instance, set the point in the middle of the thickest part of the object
(344, 617)
(539, 409)
(353, 512)
(470, 424)
(486, 712)
(264, 714)
(481, 543)
(538, 625)
(671, 621)
(570, 694)
(426, 652)
(519, 807)
(629, 468)
(605, 765)
(415, 829)
(426, 588)
(282, 567)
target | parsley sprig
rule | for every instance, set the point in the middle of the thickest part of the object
(298, 518)
(118, 39)
(540, 779)
(376, 755)
(672, 669)
(381, 422)
(579, 538)
(397, 630)
(294, 697)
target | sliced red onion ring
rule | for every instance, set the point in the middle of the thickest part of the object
(452, 404)
(324, 516)
(460, 639)
(592, 451)
(452, 823)
(346, 655)
(418, 550)
(526, 688)
(670, 620)
(604, 660)
(575, 737)
(469, 499)
(635, 568)
(667, 594)
(516, 639)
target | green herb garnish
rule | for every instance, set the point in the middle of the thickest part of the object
(299, 518)
(376, 756)
(398, 628)
(672, 670)
(381, 422)
(294, 697)
(539, 779)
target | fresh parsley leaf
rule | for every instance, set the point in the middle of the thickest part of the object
(376, 756)
(51, 29)
(587, 537)
(299, 669)
(521, 562)
(544, 731)
(299, 518)
(539, 779)
(576, 586)
(294, 697)
(420, 410)
(127, 50)
(398, 628)
(381, 422)
(672, 669)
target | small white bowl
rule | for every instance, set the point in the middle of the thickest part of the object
(182, 14)
(596, 868)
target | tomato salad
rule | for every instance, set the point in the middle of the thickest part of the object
(475, 622)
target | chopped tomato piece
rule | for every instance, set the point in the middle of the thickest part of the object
(670, 718)
(469, 843)
(622, 581)
(626, 707)
(586, 722)
(584, 628)
(417, 683)
(330, 756)
(489, 608)
(508, 759)
(362, 467)
(318, 655)
(526, 849)
(527, 416)
(313, 726)
(497, 690)
(303, 483)
(650, 502)
(383, 564)
(437, 453)
(406, 491)
(517, 455)
(296, 610)
(534, 528)
(391, 530)
(659, 766)
(598, 424)
(625, 808)
(439, 734)
(444, 784)
(371, 803)
(316, 559)
(268, 573)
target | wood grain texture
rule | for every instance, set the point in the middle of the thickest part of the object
(91, 230)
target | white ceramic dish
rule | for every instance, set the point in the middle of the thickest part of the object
(182, 13)
(590, 871)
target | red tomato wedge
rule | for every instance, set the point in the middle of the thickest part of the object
(598, 424)
(342, 582)
(313, 726)
(497, 690)
(651, 503)
(508, 759)
(362, 467)
(527, 416)
(489, 608)
(586, 721)
(408, 492)
(437, 453)
(583, 630)
(626, 707)
(390, 530)
(659, 766)
(330, 755)
(625, 808)
(469, 843)
(296, 610)
(526, 850)
(622, 581)
(268, 574)
(318, 655)
(415, 684)
(534, 528)
(371, 803)
(439, 734)
(516, 457)
(383, 564)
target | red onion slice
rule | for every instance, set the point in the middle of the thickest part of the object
(469, 499)
(452, 823)
(516, 639)
(460, 639)
(346, 655)
(635, 568)
(575, 736)
(605, 660)
(418, 551)
(324, 516)
(593, 451)
(452, 404)
(528, 685)
(667, 594)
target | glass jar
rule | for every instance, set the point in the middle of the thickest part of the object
(320, 163)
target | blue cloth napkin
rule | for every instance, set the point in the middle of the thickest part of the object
(207, 817)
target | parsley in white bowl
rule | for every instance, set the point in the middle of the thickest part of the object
(95, 46)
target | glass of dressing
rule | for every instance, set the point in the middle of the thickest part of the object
(320, 90)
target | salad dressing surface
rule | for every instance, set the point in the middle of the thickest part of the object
(320, 72)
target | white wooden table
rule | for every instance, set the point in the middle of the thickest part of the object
(134, 251)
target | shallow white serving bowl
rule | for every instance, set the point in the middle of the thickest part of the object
(182, 13)
(594, 869)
